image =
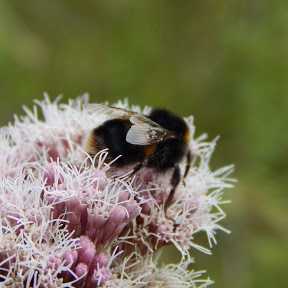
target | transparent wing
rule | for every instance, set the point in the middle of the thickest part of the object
(109, 111)
(145, 132)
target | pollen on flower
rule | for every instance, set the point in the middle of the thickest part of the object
(69, 219)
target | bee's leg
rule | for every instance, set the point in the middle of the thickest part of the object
(175, 180)
(137, 168)
(188, 163)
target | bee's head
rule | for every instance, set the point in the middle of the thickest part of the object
(171, 122)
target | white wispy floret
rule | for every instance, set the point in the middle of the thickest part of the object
(33, 253)
(149, 273)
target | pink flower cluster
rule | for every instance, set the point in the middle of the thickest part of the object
(69, 220)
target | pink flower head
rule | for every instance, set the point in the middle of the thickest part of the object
(70, 220)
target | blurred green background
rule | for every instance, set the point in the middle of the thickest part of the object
(225, 62)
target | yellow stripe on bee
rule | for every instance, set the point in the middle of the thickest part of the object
(91, 144)
(149, 150)
(187, 136)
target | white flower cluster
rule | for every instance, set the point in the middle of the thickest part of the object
(69, 220)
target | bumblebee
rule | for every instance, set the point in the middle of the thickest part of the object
(158, 140)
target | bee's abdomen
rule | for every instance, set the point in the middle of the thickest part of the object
(112, 135)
